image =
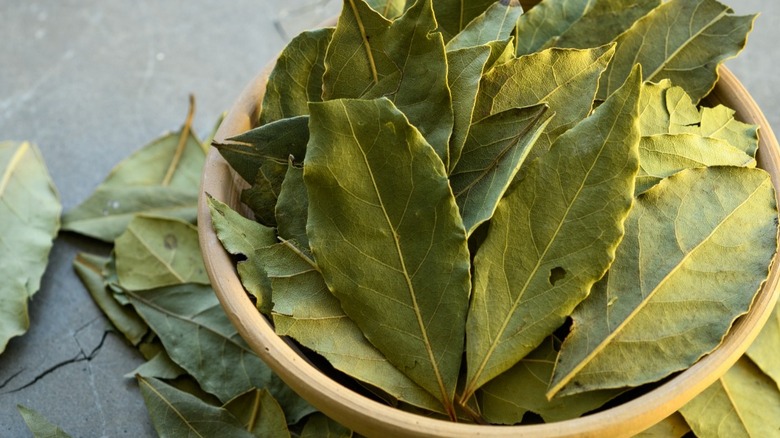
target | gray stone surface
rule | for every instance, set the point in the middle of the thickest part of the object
(90, 81)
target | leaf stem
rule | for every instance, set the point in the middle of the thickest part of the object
(185, 134)
(362, 28)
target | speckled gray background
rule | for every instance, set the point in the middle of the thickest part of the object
(90, 81)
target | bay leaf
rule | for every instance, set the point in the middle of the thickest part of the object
(661, 156)
(673, 426)
(262, 197)
(155, 252)
(565, 79)
(552, 237)
(501, 52)
(403, 60)
(297, 77)
(320, 426)
(388, 217)
(604, 21)
(242, 236)
(696, 250)
(720, 122)
(454, 15)
(522, 388)
(160, 366)
(39, 426)
(162, 178)
(496, 147)
(90, 269)
(495, 24)
(260, 414)
(389, 9)
(304, 309)
(765, 349)
(688, 54)
(274, 141)
(292, 207)
(199, 337)
(30, 213)
(538, 28)
(742, 403)
(176, 413)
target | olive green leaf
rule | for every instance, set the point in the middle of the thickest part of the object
(30, 216)
(664, 155)
(260, 414)
(275, 141)
(160, 366)
(297, 77)
(175, 413)
(496, 147)
(292, 207)
(495, 24)
(742, 403)
(687, 54)
(522, 388)
(539, 27)
(304, 309)
(454, 15)
(198, 336)
(155, 252)
(570, 80)
(403, 60)
(242, 236)
(465, 71)
(90, 269)
(320, 426)
(603, 21)
(552, 237)
(39, 425)
(389, 9)
(719, 122)
(673, 426)
(697, 248)
(766, 348)
(262, 197)
(375, 225)
(161, 179)
(501, 52)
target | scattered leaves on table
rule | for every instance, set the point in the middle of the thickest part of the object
(39, 425)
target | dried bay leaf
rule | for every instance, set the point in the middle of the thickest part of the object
(320, 426)
(403, 60)
(389, 9)
(30, 216)
(697, 248)
(688, 54)
(538, 28)
(603, 21)
(39, 426)
(297, 77)
(454, 15)
(175, 413)
(388, 218)
(765, 349)
(260, 414)
(292, 207)
(262, 197)
(673, 426)
(719, 122)
(496, 147)
(552, 237)
(160, 366)
(495, 24)
(742, 403)
(155, 252)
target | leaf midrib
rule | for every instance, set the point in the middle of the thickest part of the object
(171, 407)
(151, 251)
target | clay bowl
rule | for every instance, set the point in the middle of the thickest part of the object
(372, 418)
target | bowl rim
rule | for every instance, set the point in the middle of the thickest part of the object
(372, 418)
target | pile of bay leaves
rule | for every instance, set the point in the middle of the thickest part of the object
(479, 213)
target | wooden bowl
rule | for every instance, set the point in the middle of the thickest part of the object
(372, 418)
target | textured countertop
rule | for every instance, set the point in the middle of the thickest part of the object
(90, 82)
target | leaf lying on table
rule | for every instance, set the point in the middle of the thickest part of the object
(39, 425)
(320, 426)
(30, 217)
(765, 351)
(259, 413)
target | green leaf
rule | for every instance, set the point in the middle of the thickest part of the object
(199, 337)
(496, 147)
(603, 22)
(176, 413)
(389, 9)
(297, 77)
(292, 207)
(568, 88)
(403, 60)
(155, 252)
(276, 141)
(696, 250)
(501, 52)
(90, 269)
(742, 403)
(160, 366)
(539, 27)
(522, 388)
(719, 122)
(162, 179)
(673, 426)
(454, 15)
(765, 350)
(375, 225)
(552, 237)
(260, 414)
(320, 426)
(242, 236)
(304, 309)
(495, 24)
(262, 197)
(661, 156)
(30, 216)
(688, 54)
(39, 425)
